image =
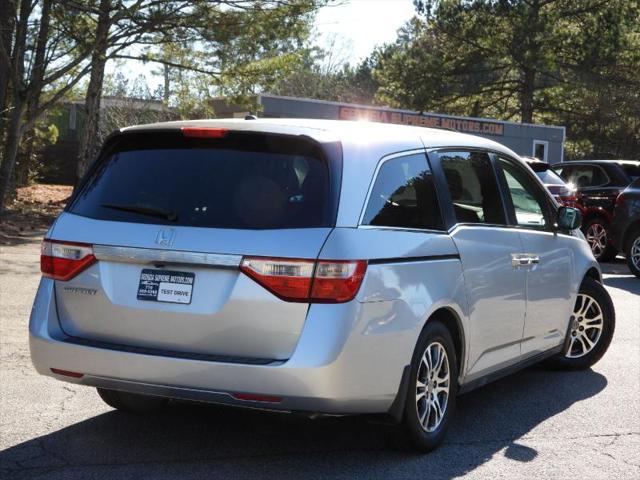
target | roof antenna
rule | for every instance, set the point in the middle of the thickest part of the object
(250, 117)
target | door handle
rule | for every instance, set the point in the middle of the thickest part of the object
(524, 259)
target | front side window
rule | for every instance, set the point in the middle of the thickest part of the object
(473, 187)
(526, 197)
(403, 196)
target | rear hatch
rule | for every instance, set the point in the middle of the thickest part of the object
(169, 216)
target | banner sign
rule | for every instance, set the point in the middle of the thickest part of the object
(422, 120)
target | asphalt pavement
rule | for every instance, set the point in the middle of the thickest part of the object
(534, 424)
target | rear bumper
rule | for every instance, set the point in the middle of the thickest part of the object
(337, 367)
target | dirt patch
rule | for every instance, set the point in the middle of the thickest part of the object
(32, 211)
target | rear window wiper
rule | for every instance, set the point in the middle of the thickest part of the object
(143, 210)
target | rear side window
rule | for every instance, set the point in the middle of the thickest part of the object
(473, 187)
(631, 169)
(404, 196)
(582, 176)
(245, 181)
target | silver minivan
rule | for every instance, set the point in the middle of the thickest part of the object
(312, 266)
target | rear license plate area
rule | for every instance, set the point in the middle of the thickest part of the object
(166, 286)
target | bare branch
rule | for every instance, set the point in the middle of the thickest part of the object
(192, 68)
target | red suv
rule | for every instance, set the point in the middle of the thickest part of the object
(598, 183)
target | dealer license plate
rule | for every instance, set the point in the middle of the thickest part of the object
(166, 286)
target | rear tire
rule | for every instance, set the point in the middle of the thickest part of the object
(131, 402)
(591, 328)
(431, 390)
(597, 231)
(632, 252)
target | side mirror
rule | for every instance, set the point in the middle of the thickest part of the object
(569, 218)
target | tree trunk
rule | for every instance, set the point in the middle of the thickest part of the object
(7, 28)
(34, 92)
(24, 158)
(89, 138)
(10, 152)
(529, 60)
(13, 128)
(167, 85)
(526, 95)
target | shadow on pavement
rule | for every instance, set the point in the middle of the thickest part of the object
(187, 439)
(8, 239)
(628, 282)
(617, 266)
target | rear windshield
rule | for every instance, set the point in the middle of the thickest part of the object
(549, 177)
(244, 181)
(632, 171)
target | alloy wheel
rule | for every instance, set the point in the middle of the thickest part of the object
(635, 252)
(587, 322)
(596, 236)
(432, 386)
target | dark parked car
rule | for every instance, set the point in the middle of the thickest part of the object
(599, 182)
(626, 225)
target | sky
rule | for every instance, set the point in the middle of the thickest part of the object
(362, 24)
(355, 27)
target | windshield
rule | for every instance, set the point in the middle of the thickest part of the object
(549, 177)
(253, 182)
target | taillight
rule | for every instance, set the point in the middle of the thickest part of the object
(337, 281)
(287, 279)
(294, 280)
(567, 198)
(64, 260)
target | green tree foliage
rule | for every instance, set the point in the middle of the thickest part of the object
(568, 62)
(234, 46)
(39, 63)
(48, 47)
(130, 102)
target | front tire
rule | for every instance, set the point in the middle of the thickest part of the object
(632, 252)
(431, 390)
(591, 328)
(131, 402)
(598, 234)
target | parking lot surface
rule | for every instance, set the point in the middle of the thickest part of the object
(534, 424)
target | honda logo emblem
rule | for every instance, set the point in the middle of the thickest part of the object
(165, 237)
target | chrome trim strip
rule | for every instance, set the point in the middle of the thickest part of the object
(424, 258)
(151, 255)
(403, 229)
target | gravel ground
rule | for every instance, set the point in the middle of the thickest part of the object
(532, 424)
(31, 211)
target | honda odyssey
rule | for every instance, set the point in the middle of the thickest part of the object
(312, 266)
